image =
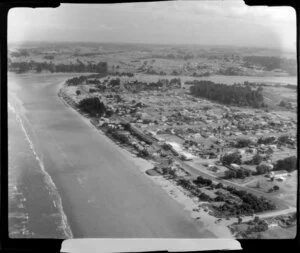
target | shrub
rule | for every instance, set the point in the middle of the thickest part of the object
(204, 197)
(202, 181)
(241, 143)
(284, 139)
(266, 140)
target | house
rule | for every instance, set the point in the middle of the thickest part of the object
(209, 193)
(271, 223)
(242, 151)
(278, 174)
(234, 166)
(185, 157)
(280, 179)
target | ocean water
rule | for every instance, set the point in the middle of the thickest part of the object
(35, 207)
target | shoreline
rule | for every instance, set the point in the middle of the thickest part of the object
(195, 210)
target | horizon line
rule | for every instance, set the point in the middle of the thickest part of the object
(147, 43)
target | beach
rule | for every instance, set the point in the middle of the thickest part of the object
(200, 217)
(103, 189)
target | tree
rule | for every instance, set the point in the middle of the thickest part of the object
(240, 174)
(202, 181)
(92, 106)
(143, 153)
(276, 187)
(284, 139)
(266, 140)
(229, 174)
(257, 159)
(248, 173)
(256, 219)
(172, 173)
(203, 197)
(78, 92)
(289, 164)
(262, 169)
(231, 158)
(241, 143)
(219, 185)
(282, 103)
(220, 198)
(240, 220)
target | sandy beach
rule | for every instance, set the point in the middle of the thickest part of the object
(199, 216)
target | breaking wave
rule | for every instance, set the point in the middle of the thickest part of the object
(52, 187)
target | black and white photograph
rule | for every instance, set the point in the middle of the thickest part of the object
(169, 119)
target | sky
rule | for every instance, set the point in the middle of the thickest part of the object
(210, 22)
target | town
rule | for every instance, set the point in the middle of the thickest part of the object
(238, 162)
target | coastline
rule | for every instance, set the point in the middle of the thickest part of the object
(196, 212)
(32, 171)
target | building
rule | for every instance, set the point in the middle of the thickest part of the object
(278, 174)
(271, 223)
(234, 166)
(241, 151)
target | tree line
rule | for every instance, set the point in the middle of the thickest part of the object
(271, 62)
(226, 94)
(250, 204)
(74, 81)
(20, 53)
(22, 67)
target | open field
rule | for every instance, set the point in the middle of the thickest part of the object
(287, 191)
(280, 233)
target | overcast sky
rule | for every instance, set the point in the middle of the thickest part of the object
(213, 22)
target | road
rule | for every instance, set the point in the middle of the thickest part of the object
(195, 172)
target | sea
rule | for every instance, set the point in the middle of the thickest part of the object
(29, 182)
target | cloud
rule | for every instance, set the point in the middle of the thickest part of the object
(208, 22)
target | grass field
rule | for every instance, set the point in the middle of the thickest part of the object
(274, 95)
(288, 188)
(280, 233)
